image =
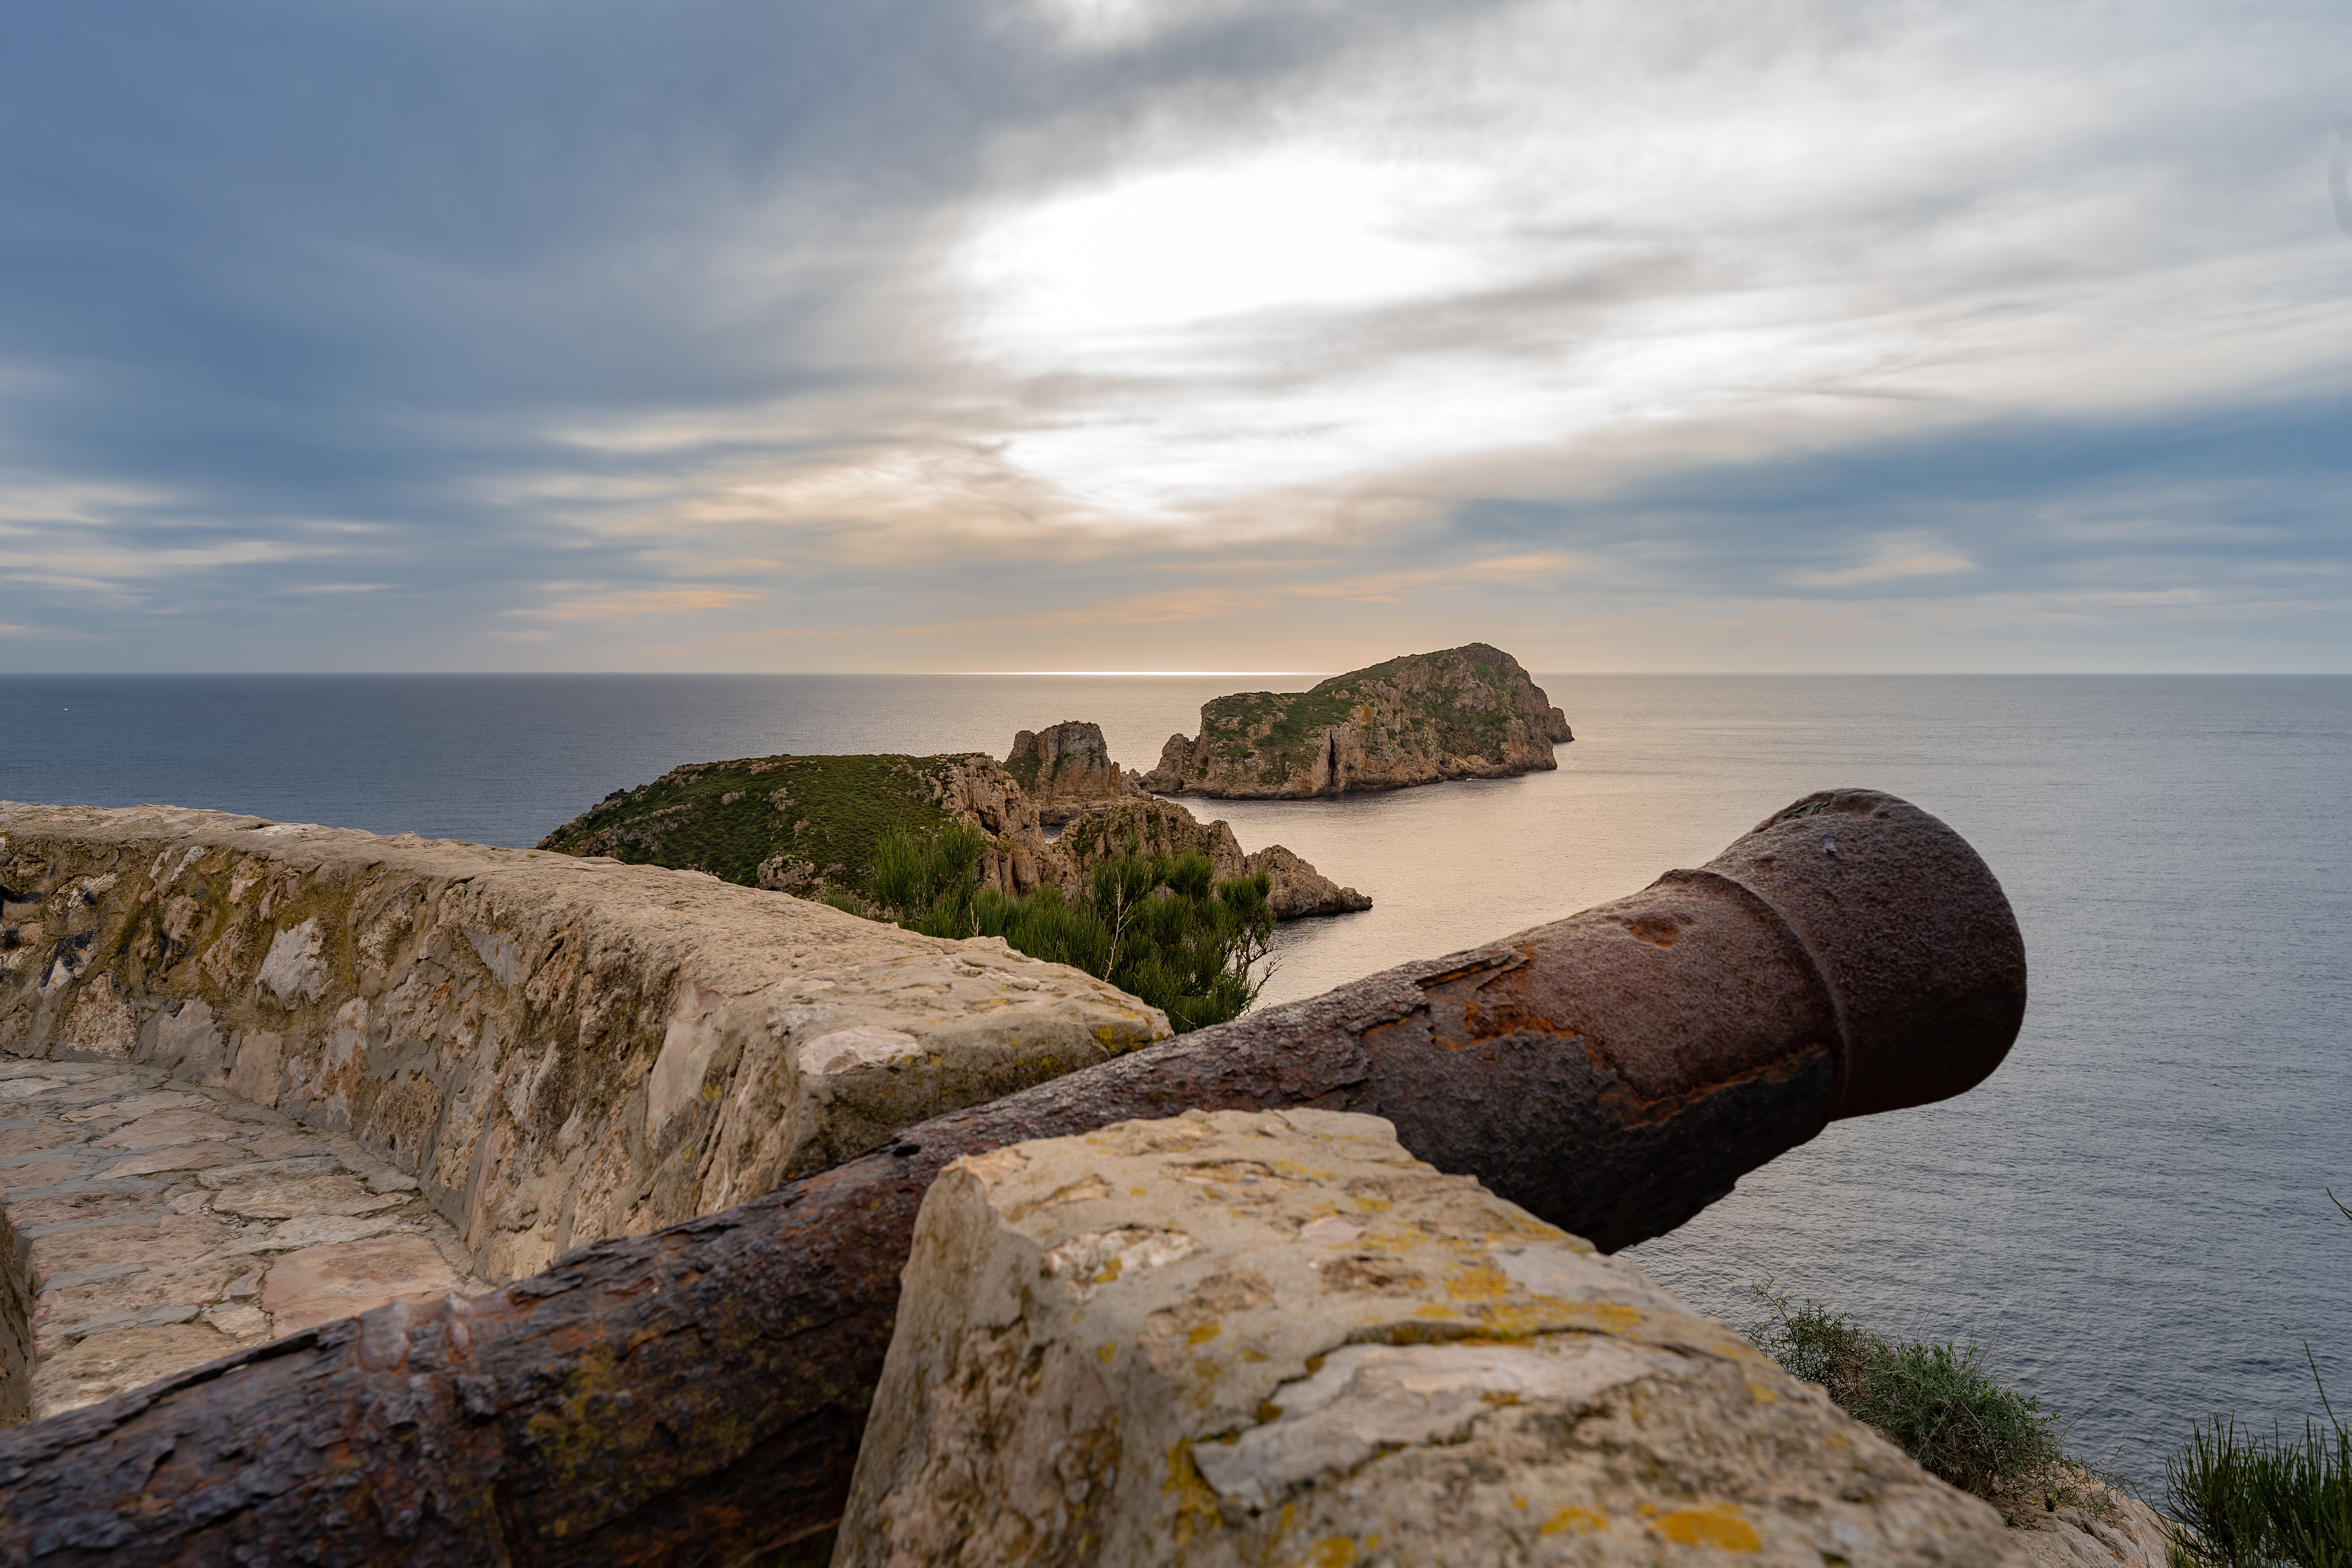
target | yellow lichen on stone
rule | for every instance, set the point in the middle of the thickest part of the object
(1460, 1384)
(1195, 1502)
(1721, 1528)
(1582, 1521)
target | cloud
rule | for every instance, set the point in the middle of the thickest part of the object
(918, 335)
(648, 602)
(1893, 556)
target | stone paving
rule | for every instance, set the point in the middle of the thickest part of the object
(148, 1224)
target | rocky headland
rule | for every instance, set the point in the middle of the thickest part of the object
(1465, 712)
(809, 826)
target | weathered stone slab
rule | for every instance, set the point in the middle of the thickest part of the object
(1276, 1337)
(120, 1269)
(322, 1284)
(558, 1049)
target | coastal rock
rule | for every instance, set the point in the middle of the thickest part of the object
(1233, 1337)
(2117, 1531)
(1297, 888)
(1067, 770)
(558, 1049)
(1147, 827)
(1164, 827)
(975, 789)
(1465, 712)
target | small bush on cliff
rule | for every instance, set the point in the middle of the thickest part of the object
(1936, 1401)
(1162, 928)
(2238, 1500)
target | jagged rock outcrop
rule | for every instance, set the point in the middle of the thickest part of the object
(974, 789)
(1465, 712)
(1296, 887)
(559, 1049)
(1067, 769)
(1163, 828)
(1237, 1337)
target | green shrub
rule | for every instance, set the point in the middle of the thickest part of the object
(1947, 1412)
(1936, 1402)
(1161, 928)
(2237, 1500)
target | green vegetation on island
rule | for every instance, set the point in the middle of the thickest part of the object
(732, 818)
(893, 838)
(1465, 712)
(1163, 928)
(1284, 731)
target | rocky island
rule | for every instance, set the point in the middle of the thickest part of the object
(809, 826)
(1468, 712)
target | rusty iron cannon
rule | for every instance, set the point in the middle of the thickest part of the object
(698, 1395)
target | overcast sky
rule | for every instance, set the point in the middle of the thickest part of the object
(1124, 334)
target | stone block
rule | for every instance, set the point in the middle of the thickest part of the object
(107, 1364)
(1238, 1338)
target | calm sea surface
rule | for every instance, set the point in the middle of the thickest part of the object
(2129, 1215)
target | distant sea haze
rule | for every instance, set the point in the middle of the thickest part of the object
(2130, 1214)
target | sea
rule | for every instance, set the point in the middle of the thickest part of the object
(2130, 1219)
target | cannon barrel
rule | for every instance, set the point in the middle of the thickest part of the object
(696, 1394)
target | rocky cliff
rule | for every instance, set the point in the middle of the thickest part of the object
(1464, 712)
(1160, 827)
(1068, 771)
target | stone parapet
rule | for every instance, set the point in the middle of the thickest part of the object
(559, 1049)
(1240, 1337)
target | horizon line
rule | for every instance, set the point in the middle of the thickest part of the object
(1197, 674)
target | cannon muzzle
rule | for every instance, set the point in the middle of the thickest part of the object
(698, 1395)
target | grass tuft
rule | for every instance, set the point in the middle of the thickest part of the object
(2238, 1500)
(1936, 1402)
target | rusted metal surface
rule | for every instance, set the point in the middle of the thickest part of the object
(696, 1395)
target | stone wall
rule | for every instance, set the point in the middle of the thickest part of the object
(559, 1049)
